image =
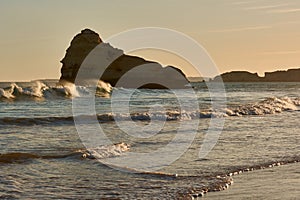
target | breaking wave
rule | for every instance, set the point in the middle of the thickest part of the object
(40, 90)
(105, 151)
(216, 181)
(93, 153)
(268, 106)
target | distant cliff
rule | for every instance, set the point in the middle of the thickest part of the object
(83, 43)
(291, 75)
(238, 76)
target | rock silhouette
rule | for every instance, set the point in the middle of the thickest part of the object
(148, 73)
(291, 75)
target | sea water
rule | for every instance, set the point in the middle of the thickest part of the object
(42, 155)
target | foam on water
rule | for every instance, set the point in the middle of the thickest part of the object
(268, 106)
(194, 188)
(105, 151)
(34, 91)
(100, 152)
(38, 90)
(6, 94)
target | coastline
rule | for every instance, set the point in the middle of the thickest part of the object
(280, 182)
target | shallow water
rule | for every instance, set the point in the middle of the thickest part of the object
(41, 151)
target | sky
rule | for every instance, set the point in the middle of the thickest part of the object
(252, 35)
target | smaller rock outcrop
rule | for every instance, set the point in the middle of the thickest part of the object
(291, 75)
(238, 76)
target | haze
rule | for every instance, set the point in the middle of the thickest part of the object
(257, 35)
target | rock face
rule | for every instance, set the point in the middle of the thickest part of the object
(140, 69)
(81, 45)
(237, 76)
(291, 75)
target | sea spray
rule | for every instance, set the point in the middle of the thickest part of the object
(39, 90)
(268, 106)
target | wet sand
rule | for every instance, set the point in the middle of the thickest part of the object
(281, 182)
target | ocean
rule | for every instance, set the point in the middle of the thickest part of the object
(42, 155)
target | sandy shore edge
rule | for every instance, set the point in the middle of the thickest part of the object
(280, 182)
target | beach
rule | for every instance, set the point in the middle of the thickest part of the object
(280, 182)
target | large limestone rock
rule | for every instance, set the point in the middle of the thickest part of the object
(140, 69)
(80, 47)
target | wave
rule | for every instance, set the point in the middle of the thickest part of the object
(20, 157)
(23, 121)
(268, 106)
(39, 90)
(214, 182)
(93, 153)
(105, 151)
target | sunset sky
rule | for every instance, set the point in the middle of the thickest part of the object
(253, 35)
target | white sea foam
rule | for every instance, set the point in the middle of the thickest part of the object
(105, 151)
(40, 90)
(15, 91)
(268, 106)
(6, 94)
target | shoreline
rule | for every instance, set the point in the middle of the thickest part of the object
(225, 182)
(280, 182)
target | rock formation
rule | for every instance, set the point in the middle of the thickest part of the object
(238, 76)
(291, 75)
(81, 45)
(140, 69)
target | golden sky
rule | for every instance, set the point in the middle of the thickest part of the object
(253, 35)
